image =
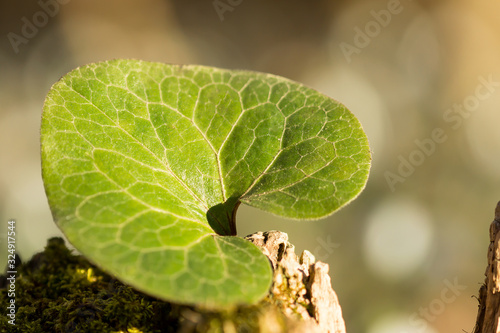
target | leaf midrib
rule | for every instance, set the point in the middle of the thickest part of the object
(200, 201)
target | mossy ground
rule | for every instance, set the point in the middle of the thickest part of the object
(57, 291)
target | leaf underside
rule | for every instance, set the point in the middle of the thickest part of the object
(144, 165)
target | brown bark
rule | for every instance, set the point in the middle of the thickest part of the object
(301, 286)
(488, 316)
(301, 298)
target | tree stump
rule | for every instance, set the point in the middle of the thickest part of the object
(300, 285)
(488, 317)
(58, 291)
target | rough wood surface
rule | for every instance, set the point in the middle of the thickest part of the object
(488, 317)
(301, 286)
(82, 298)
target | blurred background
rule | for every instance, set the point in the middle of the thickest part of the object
(423, 77)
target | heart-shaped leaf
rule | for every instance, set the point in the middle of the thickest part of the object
(145, 164)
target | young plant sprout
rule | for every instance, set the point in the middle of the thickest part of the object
(145, 165)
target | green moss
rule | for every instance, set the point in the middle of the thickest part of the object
(57, 291)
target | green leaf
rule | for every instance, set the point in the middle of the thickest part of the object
(145, 164)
